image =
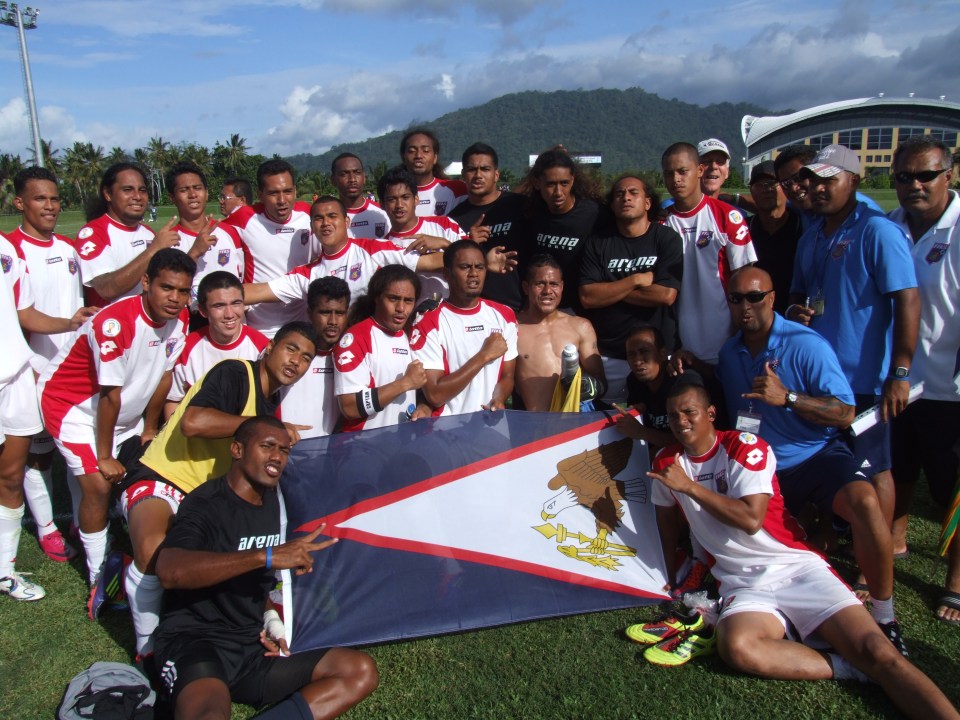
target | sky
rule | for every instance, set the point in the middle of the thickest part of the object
(295, 76)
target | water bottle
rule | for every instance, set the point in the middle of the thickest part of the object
(569, 363)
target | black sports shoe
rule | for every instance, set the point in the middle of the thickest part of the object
(895, 635)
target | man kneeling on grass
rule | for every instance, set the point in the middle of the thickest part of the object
(219, 637)
(725, 484)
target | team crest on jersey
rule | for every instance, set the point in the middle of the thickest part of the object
(441, 207)
(735, 217)
(84, 233)
(304, 237)
(380, 229)
(721, 482)
(355, 271)
(347, 340)
(171, 346)
(72, 266)
(748, 438)
(841, 245)
(937, 252)
(223, 257)
(705, 237)
(7, 262)
(111, 328)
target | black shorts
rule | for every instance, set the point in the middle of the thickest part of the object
(927, 436)
(872, 449)
(818, 478)
(253, 679)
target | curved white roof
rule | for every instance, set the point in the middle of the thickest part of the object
(756, 128)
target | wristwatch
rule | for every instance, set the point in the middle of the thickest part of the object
(900, 373)
(792, 398)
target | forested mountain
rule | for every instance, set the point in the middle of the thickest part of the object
(629, 127)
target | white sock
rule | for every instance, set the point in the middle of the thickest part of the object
(882, 610)
(145, 594)
(36, 490)
(10, 520)
(95, 546)
(843, 670)
(75, 494)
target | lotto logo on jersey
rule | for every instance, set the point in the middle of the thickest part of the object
(87, 248)
(107, 347)
(473, 328)
(6, 262)
(704, 239)
(322, 370)
(400, 351)
(414, 336)
(754, 456)
(54, 260)
(345, 358)
(223, 257)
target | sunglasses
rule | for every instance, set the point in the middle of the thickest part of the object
(790, 181)
(752, 297)
(925, 176)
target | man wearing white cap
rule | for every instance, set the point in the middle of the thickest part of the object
(715, 161)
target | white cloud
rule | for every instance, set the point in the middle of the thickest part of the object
(446, 86)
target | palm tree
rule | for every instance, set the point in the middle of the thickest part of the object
(82, 166)
(117, 155)
(233, 157)
(158, 150)
(50, 160)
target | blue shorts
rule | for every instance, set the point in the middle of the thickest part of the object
(819, 478)
(872, 449)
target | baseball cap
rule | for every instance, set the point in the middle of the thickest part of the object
(712, 145)
(764, 169)
(833, 160)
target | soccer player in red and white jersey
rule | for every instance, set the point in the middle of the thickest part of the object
(353, 260)
(375, 376)
(311, 403)
(725, 485)
(115, 247)
(716, 242)
(468, 345)
(398, 193)
(220, 301)
(367, 219)
(420, 154)
(276, 238)
(213, 246)
(93, 395)
(54, 276)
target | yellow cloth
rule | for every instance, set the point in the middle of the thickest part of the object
(188, 462)
(568, 401)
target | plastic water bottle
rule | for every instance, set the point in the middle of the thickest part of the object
(569, 363)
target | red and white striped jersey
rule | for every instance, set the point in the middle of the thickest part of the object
(447, 337)
(738, 464)
(104, 245)
(271, 249)
(368, 221)
(15, 294)
(226, 254)
(368, 356)
(311, 400)
(355, 263)
(439, 197)
(55, 281)
(121, 347)
(716, 241)
(432, 284)
(200, 353)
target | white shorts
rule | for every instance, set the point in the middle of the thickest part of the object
(806, 600)
(145, 489)
(19, 410)
(78, 445)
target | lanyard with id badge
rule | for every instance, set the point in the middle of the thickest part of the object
(748, 420)
(835, 250)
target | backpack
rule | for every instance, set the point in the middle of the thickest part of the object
(108, 691)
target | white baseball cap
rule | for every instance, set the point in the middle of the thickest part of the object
(712, 145)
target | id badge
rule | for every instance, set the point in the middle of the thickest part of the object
(748, 422)
(817, 305)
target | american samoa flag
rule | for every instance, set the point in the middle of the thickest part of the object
(464, 522)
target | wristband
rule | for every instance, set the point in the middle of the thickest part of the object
(269, 558)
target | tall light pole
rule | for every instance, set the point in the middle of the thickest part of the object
(26, 19)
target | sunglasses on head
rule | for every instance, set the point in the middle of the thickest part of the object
(925, 176)
(752, 297)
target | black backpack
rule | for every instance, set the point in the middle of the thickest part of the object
(108, 691)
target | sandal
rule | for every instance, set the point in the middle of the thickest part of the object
(949, 600)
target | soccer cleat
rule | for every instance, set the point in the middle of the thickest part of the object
(664, 628)
(895, 635)
(19, 588)
(56, 548)
(107, 589)
(682, 648)
(695, 580)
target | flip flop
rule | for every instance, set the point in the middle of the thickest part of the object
(949, 600)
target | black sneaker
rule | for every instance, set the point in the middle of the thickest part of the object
(895, 635)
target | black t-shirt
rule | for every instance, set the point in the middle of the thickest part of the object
(564, 237)
(655, 403)
(613, 257)
(504, 217)
(226, 386)
(213, 518)
(776, 253)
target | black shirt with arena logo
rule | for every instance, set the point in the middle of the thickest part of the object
(504, 216)
(613, 257)
(213, 518)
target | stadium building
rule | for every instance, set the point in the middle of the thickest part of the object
(873, 127)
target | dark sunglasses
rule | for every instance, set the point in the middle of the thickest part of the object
(925, 176)
(752, 297)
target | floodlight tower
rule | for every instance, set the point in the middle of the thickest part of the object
(26, 19)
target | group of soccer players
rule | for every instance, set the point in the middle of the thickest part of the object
(446, 297)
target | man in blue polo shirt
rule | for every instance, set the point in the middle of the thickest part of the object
(783, 382)
(854, 283)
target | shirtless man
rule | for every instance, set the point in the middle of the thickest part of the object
(543, 333)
